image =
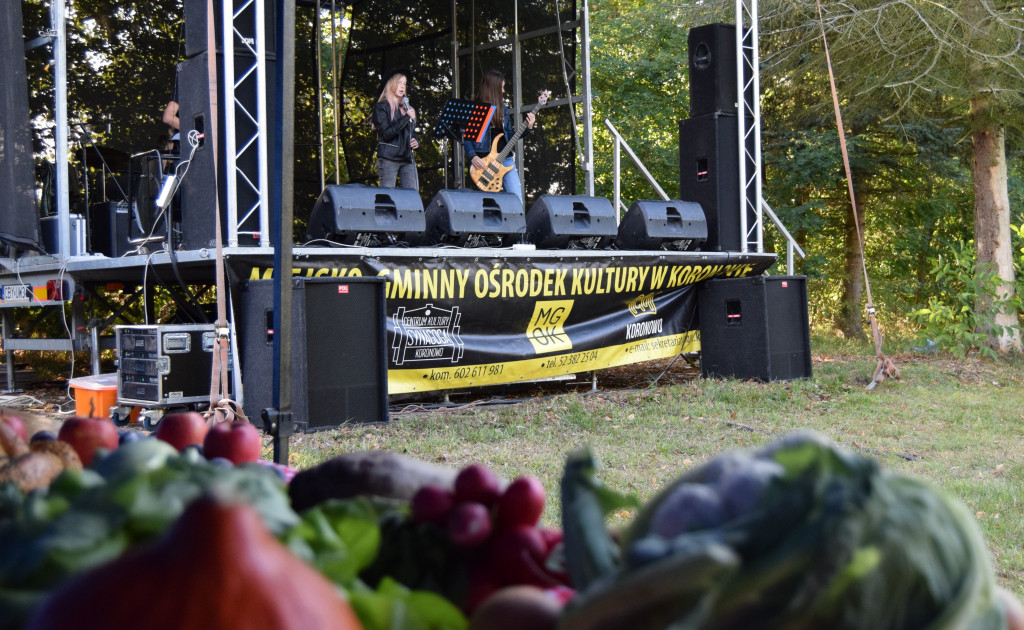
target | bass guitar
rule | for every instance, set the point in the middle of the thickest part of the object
(490, 176)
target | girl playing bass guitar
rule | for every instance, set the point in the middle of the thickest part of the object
(492, 90)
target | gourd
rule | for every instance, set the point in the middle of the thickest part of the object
(217, 567)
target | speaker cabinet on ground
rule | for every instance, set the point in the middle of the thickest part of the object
(109, 228)
(712, 52)
(367, 216)
(755, 328)
(571, 222)
(709, 174)
(678, 225)
(205, 180)
(197, 25)
(339, 350)
(473, 218)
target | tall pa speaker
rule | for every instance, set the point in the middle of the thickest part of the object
(755, 328)
(571, 222)
(675, 224)
(473, 218)
(712, 53)
(367, 216)
(205, 180)
(339, 350)
(709, 174)
(197, 26)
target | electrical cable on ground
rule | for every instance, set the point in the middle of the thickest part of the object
(885, 367)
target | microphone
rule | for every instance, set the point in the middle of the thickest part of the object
(405, 102)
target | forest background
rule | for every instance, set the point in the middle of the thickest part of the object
(932, 99)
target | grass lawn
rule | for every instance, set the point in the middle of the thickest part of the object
(956, 423)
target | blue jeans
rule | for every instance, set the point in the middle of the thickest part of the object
(511, 181)
(388, 171)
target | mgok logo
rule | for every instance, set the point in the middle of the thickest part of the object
(546, 331)
(427, 334)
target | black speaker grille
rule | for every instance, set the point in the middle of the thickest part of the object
(338, 367)
(755, 328)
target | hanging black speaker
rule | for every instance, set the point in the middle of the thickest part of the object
(205, 180)
(712, 53)
(571, 222)
(755, 328)
(677, 225)
(198, 25)
(339, 350)
(367, 216)
(473, 218)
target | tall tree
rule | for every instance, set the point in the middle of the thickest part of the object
(966, 56)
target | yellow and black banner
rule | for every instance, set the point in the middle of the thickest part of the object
(465, 321)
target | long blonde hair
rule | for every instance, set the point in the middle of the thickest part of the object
(388, 93)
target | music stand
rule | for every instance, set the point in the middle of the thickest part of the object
(462, 120)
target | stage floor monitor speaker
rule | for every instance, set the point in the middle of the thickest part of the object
(473, 218)
(755, 328)
(339, 350)
(367, 216)
(571, 222)
(675, 224)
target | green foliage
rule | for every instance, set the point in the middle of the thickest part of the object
(951, 320)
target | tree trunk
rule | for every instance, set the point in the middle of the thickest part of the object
(851, 321)
(992, 233)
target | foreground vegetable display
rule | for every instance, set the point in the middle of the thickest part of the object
(800, 534)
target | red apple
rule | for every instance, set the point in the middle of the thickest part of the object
(522, 503)
(85, 435)
(236, 441)
(478, 483)
(17, 424)
(182, 429)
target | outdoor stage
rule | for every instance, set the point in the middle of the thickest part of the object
(457, 317)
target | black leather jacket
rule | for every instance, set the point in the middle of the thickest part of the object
(393, 135)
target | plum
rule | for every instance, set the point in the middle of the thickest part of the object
(741, 489)
(688, 507)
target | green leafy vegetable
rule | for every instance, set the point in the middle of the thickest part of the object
(823, 538)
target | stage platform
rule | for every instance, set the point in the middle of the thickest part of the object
(455, 317)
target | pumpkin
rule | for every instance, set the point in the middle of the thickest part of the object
(217, 567)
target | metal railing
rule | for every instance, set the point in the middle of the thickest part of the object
(620, 143)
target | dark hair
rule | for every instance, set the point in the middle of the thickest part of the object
(490, 92)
